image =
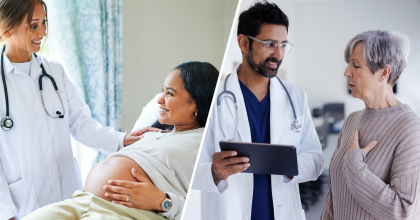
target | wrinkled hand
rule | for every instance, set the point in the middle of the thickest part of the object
(224, 165)
(143, 195)
(137, 135)
(354, 143)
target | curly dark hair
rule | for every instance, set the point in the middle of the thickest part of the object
(260, 13)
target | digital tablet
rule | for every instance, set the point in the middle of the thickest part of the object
(265, 158)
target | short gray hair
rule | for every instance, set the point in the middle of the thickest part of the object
(380, 48)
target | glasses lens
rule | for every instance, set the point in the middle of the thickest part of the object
(288, 47)
(270, 46)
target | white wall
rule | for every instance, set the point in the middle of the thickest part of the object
(194, 209)
(159, 35)
(323, 32)
(320, 31)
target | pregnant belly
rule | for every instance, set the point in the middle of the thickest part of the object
(113, 168)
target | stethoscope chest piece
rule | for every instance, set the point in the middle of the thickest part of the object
(6, 124)
(296, 126)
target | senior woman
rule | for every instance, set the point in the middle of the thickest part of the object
(375, 169)
(152, 176)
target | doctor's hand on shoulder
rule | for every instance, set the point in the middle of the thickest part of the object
(225, 164)
(138, 135)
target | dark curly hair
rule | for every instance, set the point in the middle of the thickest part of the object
(260, 13)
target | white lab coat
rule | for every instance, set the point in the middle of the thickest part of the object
(37, 167)
(231, 199)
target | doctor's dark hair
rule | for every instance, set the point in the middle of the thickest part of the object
(199, 79)
(12, 13)
(251, 20)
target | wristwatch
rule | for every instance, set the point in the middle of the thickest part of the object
(167, 203)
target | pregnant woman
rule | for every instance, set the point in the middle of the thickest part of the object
(161, 162)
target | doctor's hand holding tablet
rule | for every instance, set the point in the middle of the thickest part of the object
(235, 157)
(225, 164)
(265, 158)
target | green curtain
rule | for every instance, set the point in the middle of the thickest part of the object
(85, 36)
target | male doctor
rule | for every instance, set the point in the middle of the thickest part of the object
(265, 116)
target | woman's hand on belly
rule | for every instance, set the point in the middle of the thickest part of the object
(117, 168)
(142, 195)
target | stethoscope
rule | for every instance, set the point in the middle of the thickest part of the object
(7, 122)
(296, 125)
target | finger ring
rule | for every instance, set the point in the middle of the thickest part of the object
(127, 199)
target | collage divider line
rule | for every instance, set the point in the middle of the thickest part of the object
(235, 18)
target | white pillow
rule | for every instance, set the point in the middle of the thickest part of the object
(149, 114)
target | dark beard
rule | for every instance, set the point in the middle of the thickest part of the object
(260, 68)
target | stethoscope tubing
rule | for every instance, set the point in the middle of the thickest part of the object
(44, 73)
(7, 122)
(296, 126)
(219, 99)
(290, 99)
(4, 83)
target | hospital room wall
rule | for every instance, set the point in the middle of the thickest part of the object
(320, 31)
(159, 35)
(323, 32)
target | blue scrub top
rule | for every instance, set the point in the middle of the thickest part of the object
(259, 123)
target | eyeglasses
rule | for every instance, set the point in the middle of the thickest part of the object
(271, 46)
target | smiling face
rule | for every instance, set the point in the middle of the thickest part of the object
(261, 61)
(176, 106)
(362, 82)
(20, 40)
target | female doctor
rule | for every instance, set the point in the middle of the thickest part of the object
(39, 112)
